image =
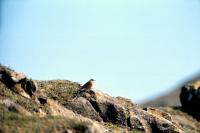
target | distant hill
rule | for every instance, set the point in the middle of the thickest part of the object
(171, 98)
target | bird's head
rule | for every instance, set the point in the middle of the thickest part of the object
(92, 80)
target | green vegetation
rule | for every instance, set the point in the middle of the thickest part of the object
(15, 123)
(60, 90)
(28, 104)
(19, 114)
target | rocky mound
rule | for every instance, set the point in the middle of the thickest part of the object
(57, 106)
(190, 98)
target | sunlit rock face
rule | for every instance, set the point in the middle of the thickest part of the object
(18, 82)
(122, 112)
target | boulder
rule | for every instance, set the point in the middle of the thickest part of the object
(29, 86)
(190, 99)
(55, 109)
(152, 123)
(123, 112)
(17, 77)
(13, 107)
(112, 112)
(82, 106)
(108, 107)
(18, 82)
(134, 122)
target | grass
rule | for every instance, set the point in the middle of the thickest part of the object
(15, 123)
(28, 104)
(118, 129)
(191, 124)
(60, 90)
(63, 91)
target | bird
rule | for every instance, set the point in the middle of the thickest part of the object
(88, 85)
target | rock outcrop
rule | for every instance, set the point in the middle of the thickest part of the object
(13, 107)
(133, 117)
(18, 82)
(190, 99)
(59, 106)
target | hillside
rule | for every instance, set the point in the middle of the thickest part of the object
(170, 98)
(28, 105)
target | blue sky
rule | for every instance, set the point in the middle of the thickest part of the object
(133, 48)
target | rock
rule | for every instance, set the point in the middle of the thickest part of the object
(30, 86)
(55, 109)
(190, 96)
(127, 103)
(158, 113)
(96, 128)
(26, 87)
(90, 111)
(13, 107)
(58, 110)
(82, 106)
(18, 82)
(40, 113)
(108, 108)
(40, 96)
(134, 122)
(111, 112)
(16, 77)
(151, 123)
(9, 76)
(124, 113)
(190, 99)
(42, 100)
(68, 131)
(19, 90)
(184, 120)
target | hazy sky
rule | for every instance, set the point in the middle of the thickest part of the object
(133, 48)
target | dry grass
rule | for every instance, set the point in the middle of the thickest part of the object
(60, 90)
(184, 120)
(28, 104)
(63, 91)
(15, 123)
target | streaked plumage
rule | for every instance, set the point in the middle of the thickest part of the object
(88, 85)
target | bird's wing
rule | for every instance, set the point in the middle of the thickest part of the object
(84, 86)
